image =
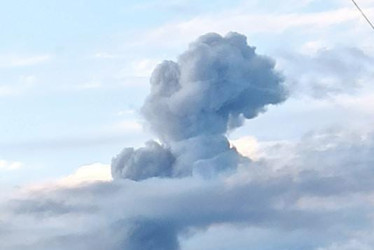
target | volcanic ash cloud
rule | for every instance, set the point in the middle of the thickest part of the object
(212, 88)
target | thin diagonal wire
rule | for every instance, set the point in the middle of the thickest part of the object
(363, 14)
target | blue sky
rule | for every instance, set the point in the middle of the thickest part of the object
(75, 74)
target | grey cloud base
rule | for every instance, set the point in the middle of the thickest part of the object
(302, 203)
(216, 84)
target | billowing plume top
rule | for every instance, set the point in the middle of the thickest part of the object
(216, 83)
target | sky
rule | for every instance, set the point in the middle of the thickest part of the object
(78, 98)
(75, 74)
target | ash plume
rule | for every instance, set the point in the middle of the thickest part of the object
(212, 88)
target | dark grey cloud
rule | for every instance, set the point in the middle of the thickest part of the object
(216, 84)
(149, 235)
(151, 161)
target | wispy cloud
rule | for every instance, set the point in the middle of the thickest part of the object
(129, 126)
(10, 165)
(249, 23)
(23, 84)
(10, 61)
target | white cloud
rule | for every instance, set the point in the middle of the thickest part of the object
(10, 165)
(106, 55)
(89, 85)
(361, 104)
(88, 173)
(144, 67)
(126, 112)
(350, 245)
(312, 47)
(247, 146)
(9, 61)
(239, 20)
(128, 126)
(24, 84)
(327, 72)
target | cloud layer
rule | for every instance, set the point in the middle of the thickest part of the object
(287, 198)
